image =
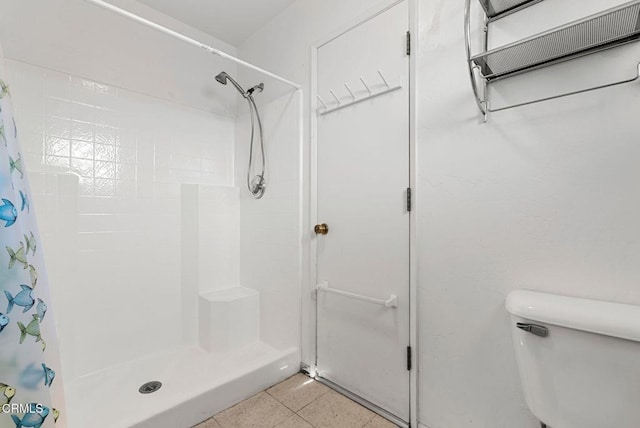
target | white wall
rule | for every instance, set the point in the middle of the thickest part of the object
(269, 227)
(108, 143)
(79, 38)
(210, 253)
(539, 197)
(219, 237)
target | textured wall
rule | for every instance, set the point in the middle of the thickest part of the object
(540, 197)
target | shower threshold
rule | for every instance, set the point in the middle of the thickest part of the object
(195, 386)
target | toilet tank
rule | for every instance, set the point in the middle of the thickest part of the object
(585, 373)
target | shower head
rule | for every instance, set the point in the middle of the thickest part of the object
(224, 77)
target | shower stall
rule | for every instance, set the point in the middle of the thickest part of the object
(171, 233)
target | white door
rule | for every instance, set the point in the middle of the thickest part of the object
(362, 180)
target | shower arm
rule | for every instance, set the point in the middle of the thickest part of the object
(189, 40)
(240, 89)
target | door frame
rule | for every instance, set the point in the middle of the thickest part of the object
(310, 210)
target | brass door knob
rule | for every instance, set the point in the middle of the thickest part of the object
(321, 229)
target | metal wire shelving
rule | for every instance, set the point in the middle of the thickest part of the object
(607, 29)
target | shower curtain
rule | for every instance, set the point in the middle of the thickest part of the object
(31, 393)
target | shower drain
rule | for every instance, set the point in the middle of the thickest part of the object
(150, 387)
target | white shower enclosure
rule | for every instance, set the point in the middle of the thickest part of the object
(163, 268)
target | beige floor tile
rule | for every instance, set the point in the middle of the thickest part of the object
(211, 423)
(297, 391)
(380, 422)
(259, 411)
(333, 410)
(294, 421)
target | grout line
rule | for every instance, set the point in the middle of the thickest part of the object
(303, 418)
(313, 401)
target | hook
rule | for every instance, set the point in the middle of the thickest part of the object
(365, 84)
(383, 79)
(335, 96)
(321, 101)
(350, 91)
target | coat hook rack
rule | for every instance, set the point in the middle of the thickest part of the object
(340, 104)
(335, 96)
(350, 91)
(321, 101)
(383, 79)
(365, 84)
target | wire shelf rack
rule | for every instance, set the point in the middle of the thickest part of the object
(496, 9)
(605, 30)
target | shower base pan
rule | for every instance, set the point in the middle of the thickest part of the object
(195, 386)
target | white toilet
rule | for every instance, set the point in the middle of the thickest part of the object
(579, 359)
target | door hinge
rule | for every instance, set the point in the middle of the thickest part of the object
(409, 199)
(408, 42)
(409, 358)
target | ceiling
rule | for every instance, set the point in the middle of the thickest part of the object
(231, 21)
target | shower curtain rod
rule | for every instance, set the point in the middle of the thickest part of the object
(189, 40)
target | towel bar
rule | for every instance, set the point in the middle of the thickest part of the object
(391, 302)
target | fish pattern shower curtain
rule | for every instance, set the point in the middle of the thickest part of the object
(30, 387)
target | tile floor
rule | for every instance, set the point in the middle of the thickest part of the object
(297, 402)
